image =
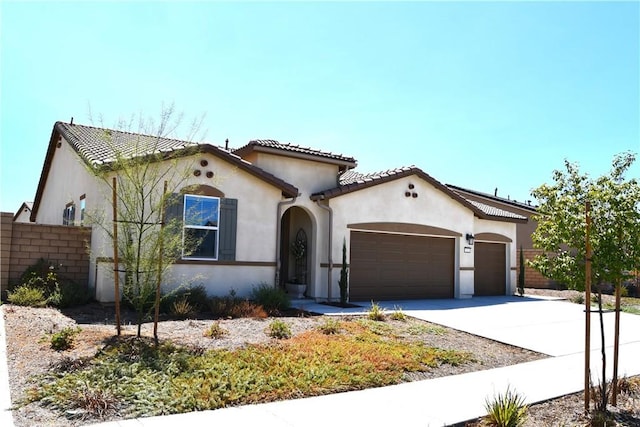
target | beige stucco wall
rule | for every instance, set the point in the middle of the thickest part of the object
(24, 215)
(387, 203)
(309, 176)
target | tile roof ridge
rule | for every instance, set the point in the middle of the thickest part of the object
(72, 125)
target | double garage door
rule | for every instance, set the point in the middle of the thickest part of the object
(396, 266)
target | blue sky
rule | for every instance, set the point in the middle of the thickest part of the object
(477, 94)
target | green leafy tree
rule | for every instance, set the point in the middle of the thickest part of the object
(614, 232)
(144, 177)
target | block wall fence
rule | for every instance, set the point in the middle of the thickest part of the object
(532, 277)
(23, 244)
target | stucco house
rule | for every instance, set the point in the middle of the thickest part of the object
(23, 214)
(407, 235)
(533, 278)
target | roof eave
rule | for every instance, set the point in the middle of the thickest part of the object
(252, 147)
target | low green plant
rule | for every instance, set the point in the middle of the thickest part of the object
(273, 300)
(94, 401)
(279, 329)
(215, 331)
(196, 296)
(330, 326)
(149, 379)
(63, 339)
(420, 329)
(376, 312)
(578, 299)
(506, 410)
(182, 309)
(27, 296)
(398, 314)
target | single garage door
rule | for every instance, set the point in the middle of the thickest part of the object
(490, 269)
(395, 266)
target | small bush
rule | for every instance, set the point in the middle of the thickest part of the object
(215, 331)
(196, 296)
(578, 299)
(64, 339)
(376, 312)
(330, 327)
(234, 308)
(279, 329)
(274, 300)
(27, 296)
(182, 309)
(398, 314)
(97, 402)
(506, 410)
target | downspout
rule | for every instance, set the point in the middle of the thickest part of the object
(278, 232)
(329, 245)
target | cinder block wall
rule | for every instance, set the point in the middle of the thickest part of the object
(532, 277)
(63, 246)
(5, 238)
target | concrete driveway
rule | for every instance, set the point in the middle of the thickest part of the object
(548, 326)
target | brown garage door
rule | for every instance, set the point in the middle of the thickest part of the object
(393, 266)
(490, 268)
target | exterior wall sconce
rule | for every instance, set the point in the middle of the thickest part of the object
(470, 239)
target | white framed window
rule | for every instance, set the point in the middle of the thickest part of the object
(69, 214)
(201, 217)
(83, 207)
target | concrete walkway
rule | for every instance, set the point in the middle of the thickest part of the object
(552, 327)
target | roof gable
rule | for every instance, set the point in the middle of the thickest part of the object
(90, 144)
(285, 149)
(351, 181)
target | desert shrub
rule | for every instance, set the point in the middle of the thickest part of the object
(28, 296)
(376, 312)
(330, 327)
(578, 299)
(279, 329)
(398, 314)
(215, 331)
(97, 402)
(274, 300)
(506, 410)
(182, 309)
(58, 291)
(196, 296)
(64, 339)
(234, 307)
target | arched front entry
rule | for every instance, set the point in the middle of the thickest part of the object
(296, 244)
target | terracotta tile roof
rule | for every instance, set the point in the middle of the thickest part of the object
(351, 181)
(493, 211)
(91, 144)
(515, 203)
(99, 146)
(266, 145)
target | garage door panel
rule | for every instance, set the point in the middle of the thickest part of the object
(390, 266)
(490, 269)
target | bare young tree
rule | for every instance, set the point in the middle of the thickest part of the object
(141, 175)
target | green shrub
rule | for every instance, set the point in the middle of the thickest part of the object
(28, 296)
(57, 291)
(330, 327)
(376, 312)
(64, 339)
(196, 296)
(578, 299)
(215, 331)
(398, 314)
(279, 329)
(274, 300)
(506, 410)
